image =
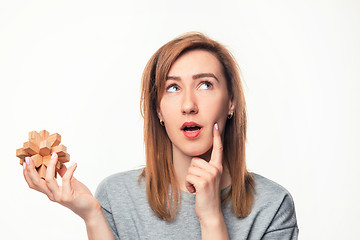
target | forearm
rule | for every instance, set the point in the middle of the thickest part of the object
(97, 227)
(214, 229)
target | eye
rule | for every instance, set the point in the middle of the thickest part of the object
(205, 85)
(172, 88)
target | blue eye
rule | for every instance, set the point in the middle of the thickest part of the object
(205, 85)
(173, 88)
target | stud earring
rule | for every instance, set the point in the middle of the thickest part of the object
(162, 123)
(230, 115)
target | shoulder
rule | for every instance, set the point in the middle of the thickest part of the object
(275, 204)
(122, 178)
(271, 194)
(267, 188)
(119, 185)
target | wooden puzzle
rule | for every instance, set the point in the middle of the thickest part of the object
(40, 147)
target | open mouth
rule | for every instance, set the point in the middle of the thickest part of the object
(191, 130)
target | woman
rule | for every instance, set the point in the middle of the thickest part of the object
(195, 183)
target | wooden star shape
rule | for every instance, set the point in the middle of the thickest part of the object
(40, 147)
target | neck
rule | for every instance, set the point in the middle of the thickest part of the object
(182, 163)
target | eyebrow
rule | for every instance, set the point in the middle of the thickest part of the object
(196, 76)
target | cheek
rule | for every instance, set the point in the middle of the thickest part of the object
(169, 113)
(216, 109)
(168, 110)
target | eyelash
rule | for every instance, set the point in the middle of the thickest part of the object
(172, 85)
(207, 83)
(203, 82)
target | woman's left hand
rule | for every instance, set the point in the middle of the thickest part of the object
(204, 179)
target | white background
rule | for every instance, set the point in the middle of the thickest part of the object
(74, 67)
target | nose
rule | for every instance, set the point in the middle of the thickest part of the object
(189, 105)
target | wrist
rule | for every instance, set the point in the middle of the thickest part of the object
(97, 226)
(95, 215)
(212, 221)
(214, 228)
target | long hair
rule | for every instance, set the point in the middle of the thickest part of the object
(161, 185)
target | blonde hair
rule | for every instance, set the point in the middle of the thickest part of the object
(161, 185)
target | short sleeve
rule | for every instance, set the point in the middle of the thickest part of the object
(284, 225)
(102, 196)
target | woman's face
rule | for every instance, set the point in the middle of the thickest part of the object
(195, 98)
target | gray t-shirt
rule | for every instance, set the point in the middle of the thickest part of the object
(125, 206)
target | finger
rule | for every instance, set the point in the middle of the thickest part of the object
(50, 176)
(217, 151)
(192, 171)
(196, 171)
(190, 187)
(34, 180)
(190, 182)
(201, 163)
(67, 177)
(63, 170)
(30, 177)
(209, 173)
(197, 183)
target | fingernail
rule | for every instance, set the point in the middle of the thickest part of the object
(27, 160)
(53, 155)
(216, 126)
(24, 166)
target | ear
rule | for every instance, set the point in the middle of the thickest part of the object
(159, 114)
(231, 105)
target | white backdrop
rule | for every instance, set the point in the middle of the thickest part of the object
(74, 67)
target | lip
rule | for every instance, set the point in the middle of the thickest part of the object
(187, 124)
(193, 134)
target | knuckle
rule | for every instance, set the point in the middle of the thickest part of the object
(32, 186)
(202, 184)
(212, 179)
(66, 178)
(51, 198)
(217, 171)
(220, 148)
(64, 199)
(57, 198)
(209, 176)
(197, 160)
(188, 178)
(65, 182)
(37, 182)
(49, 179)
(194, 161)
(213, 171)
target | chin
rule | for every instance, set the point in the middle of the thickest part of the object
(195, 150)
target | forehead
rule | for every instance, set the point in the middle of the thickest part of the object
(196, 61)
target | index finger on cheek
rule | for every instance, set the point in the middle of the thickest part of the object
(216, 154)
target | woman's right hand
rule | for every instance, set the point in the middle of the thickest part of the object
(72, 194)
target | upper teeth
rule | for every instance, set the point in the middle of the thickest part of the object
(190, 128)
